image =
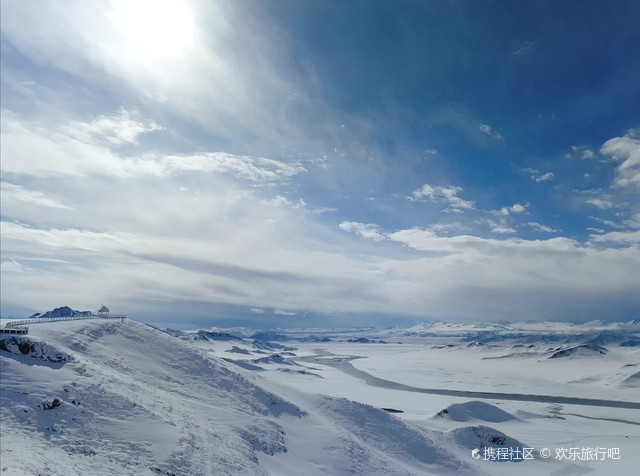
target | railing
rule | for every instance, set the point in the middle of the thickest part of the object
(14, 330)
(39, 320)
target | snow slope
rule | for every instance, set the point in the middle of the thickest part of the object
(578, 403)
(132, 401)
(111, 397)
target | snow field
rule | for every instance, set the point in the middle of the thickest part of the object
(125, 398)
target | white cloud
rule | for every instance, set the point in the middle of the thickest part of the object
(82, 149)
(537, 176)
(13, 194)
(543, 177)
(540, 227)
(227, 73)
(283, 312)
(600, 203)
(581, 152)
(523, 48)
(626, 151)
(559, 266)
(487, 129)
(631, 237)
(147, 227)
(502, 224)
(115, 130)
(447, 195)
(634, 221)
(253, 169)
(516, 208)
(500, 227)
(28, 148)
(426, 191)
(280, 201)
(237, 256)
(368, 231)
(255, 310)
(11, 266)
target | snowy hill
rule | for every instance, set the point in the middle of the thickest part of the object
(119, 397)
(130, 400)
(107, 397)
(583, 350)
(475, 410)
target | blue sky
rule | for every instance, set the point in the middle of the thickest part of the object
(302, 163)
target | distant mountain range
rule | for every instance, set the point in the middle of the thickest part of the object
(64, 311)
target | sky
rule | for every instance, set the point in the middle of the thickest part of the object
(315, 163)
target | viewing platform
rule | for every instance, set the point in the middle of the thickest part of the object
(20, 326)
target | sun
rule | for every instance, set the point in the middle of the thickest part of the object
(155, 28)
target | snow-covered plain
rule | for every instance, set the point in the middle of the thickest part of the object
(121, 397)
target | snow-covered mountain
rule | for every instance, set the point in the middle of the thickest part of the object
(106, 397)
(63, 311)
(120, 397)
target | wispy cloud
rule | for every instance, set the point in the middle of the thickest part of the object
(535, 226)
(500, 226)
(537, 176)
(205, 152)
(80, 148)
(581, 152)
(284, 312)
(115, 130)
(13, 194)
(229, 74)
(365, 230)
(602, 204)
(11, 266)
(487, 129)
(516, 208)
(253, 169)
(523, 48)
(448, 195)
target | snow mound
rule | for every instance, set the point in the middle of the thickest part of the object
(631, 342)
(25, 345)
(300, 372)
(632, 380)
(365, 340)
(480, 437)
(264, 345)
(237, 350)
(208, 336)
(583, 350)
(393, 437)
(475, 410)
(273, 359)
(244, 364)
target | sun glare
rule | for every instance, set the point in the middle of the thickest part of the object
(157, 28)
